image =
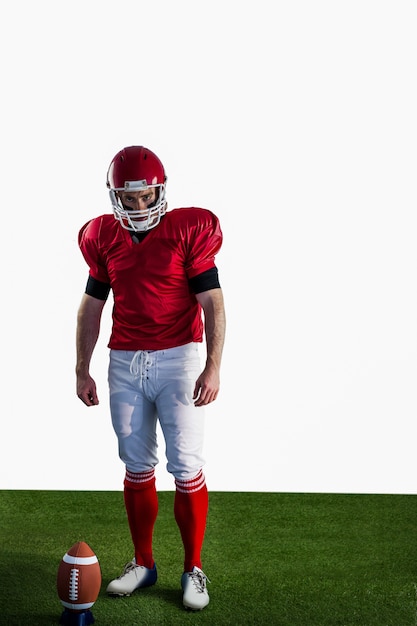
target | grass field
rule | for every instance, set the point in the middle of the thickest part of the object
(274, 559)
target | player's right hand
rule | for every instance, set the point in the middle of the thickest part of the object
(86, 391)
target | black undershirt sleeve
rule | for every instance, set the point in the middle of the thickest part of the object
(97, 289)
(205, 281)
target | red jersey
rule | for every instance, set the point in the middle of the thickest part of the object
(154, 308)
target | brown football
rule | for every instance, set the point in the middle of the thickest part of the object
(79, 578)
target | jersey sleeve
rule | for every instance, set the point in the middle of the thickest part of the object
(88, 241)
(205, 244)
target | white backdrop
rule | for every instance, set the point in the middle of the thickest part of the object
(295, 122)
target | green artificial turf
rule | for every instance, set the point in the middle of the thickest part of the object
(273, 559)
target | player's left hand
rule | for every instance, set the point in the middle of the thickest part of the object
(206, 387)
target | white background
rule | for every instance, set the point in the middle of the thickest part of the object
(296, 123)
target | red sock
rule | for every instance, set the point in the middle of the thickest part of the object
(190, 509)
(141, 502)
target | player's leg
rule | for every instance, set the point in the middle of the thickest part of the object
(134, 421)
(190, 509)
(183, 427)
(141, 503)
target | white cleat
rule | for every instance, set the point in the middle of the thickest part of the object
(195, 592)
(133, 577)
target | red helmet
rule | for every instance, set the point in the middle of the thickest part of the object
(136, 169)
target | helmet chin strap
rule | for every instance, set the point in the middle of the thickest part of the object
(143, 226)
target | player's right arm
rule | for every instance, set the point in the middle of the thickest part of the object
(88, 328)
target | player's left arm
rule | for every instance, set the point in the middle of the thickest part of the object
(208, 383)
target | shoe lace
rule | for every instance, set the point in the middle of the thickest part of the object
(128, 568)
(199, 579)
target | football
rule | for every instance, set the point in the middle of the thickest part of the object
(79, 578)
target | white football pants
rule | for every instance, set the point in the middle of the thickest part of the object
(149, 385)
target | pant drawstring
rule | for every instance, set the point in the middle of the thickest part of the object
(139, 362)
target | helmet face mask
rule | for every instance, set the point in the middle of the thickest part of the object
(136, 169)
(139, 220)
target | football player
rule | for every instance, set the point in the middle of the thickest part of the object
(160, 267)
